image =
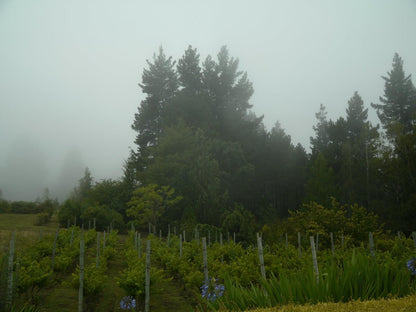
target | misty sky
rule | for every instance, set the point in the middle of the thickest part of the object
(69, 71)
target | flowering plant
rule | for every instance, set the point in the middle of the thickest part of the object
(127, 303)
(212, 290)
(411, 265)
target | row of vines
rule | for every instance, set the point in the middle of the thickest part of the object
(215, 274)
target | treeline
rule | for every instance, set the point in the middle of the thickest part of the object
(203, 157)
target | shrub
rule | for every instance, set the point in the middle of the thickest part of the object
(42, 218)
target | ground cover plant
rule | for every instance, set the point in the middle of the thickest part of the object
(350, 272)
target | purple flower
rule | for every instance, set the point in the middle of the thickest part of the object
(127, 303)
(411, 265)
(212, 290)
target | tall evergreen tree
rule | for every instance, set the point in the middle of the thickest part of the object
(362, 140)
(320, 142)
(321, 183)
(190, 72)
(160, 84)
(398, 106)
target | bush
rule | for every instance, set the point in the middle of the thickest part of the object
(42, 218)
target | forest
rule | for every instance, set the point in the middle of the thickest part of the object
(204, 159)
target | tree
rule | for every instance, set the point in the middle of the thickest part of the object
(397, 166)
(85, 185)
(356, 117)
(321, 183)
(160, 84)
(357, 147)
(150, 202)
(399, 102)
(241, 222)
(321, 140)
(183, 160)
(189, 72)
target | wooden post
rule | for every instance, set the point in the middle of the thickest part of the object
(314, 259)
(332, 244)
(286, 241)
(72, 237)
(40, 234)
(261, 258)
(94, 223)
(299, 245)
(9, 298)
(180, 245)
(168, 240)
(54, 248)
(81, 274)
(317, 242)
(104, 241)
(234, 237)
(147, 284)
(205, 258)
(414, 238)
(372, 249)
(184, 237)
(139, 247)
(97, 264)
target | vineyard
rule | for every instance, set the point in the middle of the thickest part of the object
(70, 269)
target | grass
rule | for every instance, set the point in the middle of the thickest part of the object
(356, 278)
(27, 233)
(407, 304)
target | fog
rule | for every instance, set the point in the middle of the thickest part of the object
(69, 72)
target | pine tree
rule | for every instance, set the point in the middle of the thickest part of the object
(160, 84)
(320, 142)
(321, 183)
(190, 72)
(398, 106)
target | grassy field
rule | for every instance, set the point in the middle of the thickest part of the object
(27, 233)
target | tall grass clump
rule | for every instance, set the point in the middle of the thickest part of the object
(358, 277)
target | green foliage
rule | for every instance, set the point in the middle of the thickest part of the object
(103, 216)
(354, 222)
(94, 280)
(70, 210)
(33, 275)
(150, 202)
(321, 184)
(42, 218)
(133, 279)
(241, 222)
(357, 277)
